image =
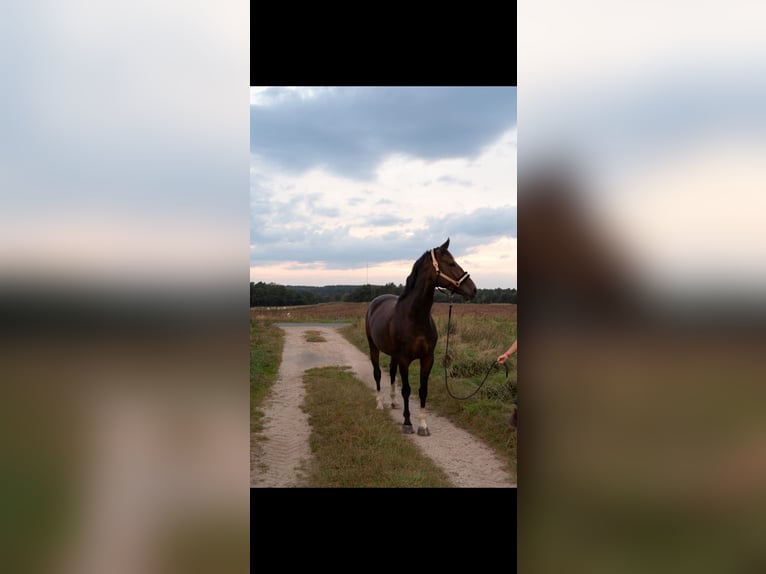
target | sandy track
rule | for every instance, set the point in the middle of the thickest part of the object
(279, 460)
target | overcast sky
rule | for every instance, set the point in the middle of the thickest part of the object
(350, 185)
(669, 134)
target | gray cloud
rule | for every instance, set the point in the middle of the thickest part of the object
(349, 131)
(275, 215)
(485, 223)
(336, 249)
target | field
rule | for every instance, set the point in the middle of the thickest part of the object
(332, 312)
(478, 334)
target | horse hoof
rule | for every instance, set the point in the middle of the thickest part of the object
(379, 407)
(424, 431)
(394, 406)
(407, 429)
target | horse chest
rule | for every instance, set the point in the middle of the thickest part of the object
(417, 345)
(421, 346)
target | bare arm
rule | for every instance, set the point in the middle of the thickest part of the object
(511, 350)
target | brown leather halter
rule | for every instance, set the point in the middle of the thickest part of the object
(445, 276)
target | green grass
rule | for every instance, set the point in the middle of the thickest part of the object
(314, 337)
(266, 342)
(355, 445)
(475, 343)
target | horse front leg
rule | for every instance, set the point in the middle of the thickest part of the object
(392, 372)
(375, 359)
(426, 363)
(404, 373)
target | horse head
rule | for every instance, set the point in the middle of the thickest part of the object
(449, 274)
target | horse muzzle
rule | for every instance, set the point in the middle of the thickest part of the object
(466, 288)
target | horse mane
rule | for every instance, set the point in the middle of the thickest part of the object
(412, 278)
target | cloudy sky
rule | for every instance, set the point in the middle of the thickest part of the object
(124, 179)
(669, 134)
(350, 185)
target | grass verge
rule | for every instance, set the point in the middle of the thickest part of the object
(354, 445)
(314, 337)
(266, 343)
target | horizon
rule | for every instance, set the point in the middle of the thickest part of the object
(401, 284)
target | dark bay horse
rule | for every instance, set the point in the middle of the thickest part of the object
(403, 328)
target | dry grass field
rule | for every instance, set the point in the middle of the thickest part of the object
(332, 312)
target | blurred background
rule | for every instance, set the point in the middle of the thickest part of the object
(642, 140)
(124, 174)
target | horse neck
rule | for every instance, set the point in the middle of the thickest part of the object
(421, 299)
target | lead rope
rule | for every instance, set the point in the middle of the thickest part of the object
(446, 358)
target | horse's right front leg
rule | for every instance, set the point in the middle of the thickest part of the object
(375, 358)
(392, 372)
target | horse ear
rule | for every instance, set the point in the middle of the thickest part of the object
(445, 245)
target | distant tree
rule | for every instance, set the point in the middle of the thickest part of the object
(365, 293)
(496, 295)
(273, 295)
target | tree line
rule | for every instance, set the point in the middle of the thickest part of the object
(275, 295)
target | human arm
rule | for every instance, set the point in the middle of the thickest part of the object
(511, 350)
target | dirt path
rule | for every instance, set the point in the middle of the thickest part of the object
(279, 461)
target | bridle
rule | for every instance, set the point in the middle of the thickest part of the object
(444, 275)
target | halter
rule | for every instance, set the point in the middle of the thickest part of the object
(444, 276)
